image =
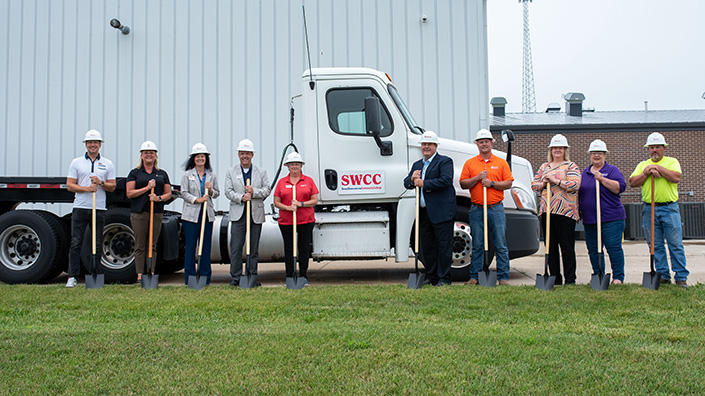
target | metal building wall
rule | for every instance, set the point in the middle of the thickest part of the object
(217, 71)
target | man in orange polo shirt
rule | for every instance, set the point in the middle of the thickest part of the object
(493, 172)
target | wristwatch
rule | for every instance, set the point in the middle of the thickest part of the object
(492, 185)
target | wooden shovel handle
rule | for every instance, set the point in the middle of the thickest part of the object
(203, 226)
(599, 216)
(247, 229)
(93, 237)
(548, 216)
(151, 224)
(293, 197)
(484, 217)
(653, 184)
(416, 222)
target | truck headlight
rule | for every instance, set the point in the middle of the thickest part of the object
(523, 199)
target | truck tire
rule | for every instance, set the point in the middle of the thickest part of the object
(117, 260)
(462, 247)
(63, 232)
(28, 247)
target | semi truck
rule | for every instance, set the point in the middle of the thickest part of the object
(358, 139)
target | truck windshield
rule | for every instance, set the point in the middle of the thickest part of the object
(404, 110)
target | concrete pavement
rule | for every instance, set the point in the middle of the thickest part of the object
(523, 270)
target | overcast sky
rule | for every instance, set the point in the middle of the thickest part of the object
(619, 53)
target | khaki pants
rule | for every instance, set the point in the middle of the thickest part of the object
(140, 225)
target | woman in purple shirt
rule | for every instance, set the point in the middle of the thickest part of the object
(612, 184)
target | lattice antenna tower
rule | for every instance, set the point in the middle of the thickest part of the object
(528, 95)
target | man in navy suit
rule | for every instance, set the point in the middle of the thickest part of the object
(434, 175)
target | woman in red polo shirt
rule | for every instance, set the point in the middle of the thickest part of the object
(306, 198)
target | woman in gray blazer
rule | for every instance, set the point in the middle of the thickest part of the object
(198, 185)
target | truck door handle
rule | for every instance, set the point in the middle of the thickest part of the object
(331, 177)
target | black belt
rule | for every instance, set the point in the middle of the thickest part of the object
(488, 206)
(660, 203)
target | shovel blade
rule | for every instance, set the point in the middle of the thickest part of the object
(248, 281)
(651, 280)
(150, 281)
(416, 280)
(600, 281)
(296, 283)
(196, 282)
(487, 278)
(545, 282)
(95, 281)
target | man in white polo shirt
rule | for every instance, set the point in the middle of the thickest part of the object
(88, 173)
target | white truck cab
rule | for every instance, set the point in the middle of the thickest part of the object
(364, 210)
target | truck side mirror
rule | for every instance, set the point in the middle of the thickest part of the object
(373, 125)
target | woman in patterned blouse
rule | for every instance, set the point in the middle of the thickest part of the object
(563, 176)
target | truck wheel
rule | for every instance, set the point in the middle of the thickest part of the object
(117, 259)
(462, 247)
(63, 232)
(28, 247)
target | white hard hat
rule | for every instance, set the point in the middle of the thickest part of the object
(92, 135)
(246, 145)
(655, 139)
(429, 137)
(483, 134)
(148, 146)
(199, 148)
(294, 157)
(559, 141)
(598, 145)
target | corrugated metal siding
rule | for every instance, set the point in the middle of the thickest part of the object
(217, 71)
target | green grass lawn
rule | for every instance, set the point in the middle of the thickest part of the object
(346, 340)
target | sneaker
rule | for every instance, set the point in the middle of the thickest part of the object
(616, 282)
(503, 282)
(72, 282)
(471, 282)
(682, 283)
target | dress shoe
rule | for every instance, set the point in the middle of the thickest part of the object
(471, 282)
(503, 282)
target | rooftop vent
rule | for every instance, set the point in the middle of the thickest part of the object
(574, 105)
(498, 103)
(553, 108)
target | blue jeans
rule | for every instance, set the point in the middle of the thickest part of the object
(668, 226)
(612, 241)
(191, 233)
(496, 226)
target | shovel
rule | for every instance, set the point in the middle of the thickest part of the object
(248, 281)
(417, 278)
(486, 277)
(198, 282)
(652, 279)
(295, 282)
(546, 282)
(149, 280)
(600, 280)
(94, 280)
